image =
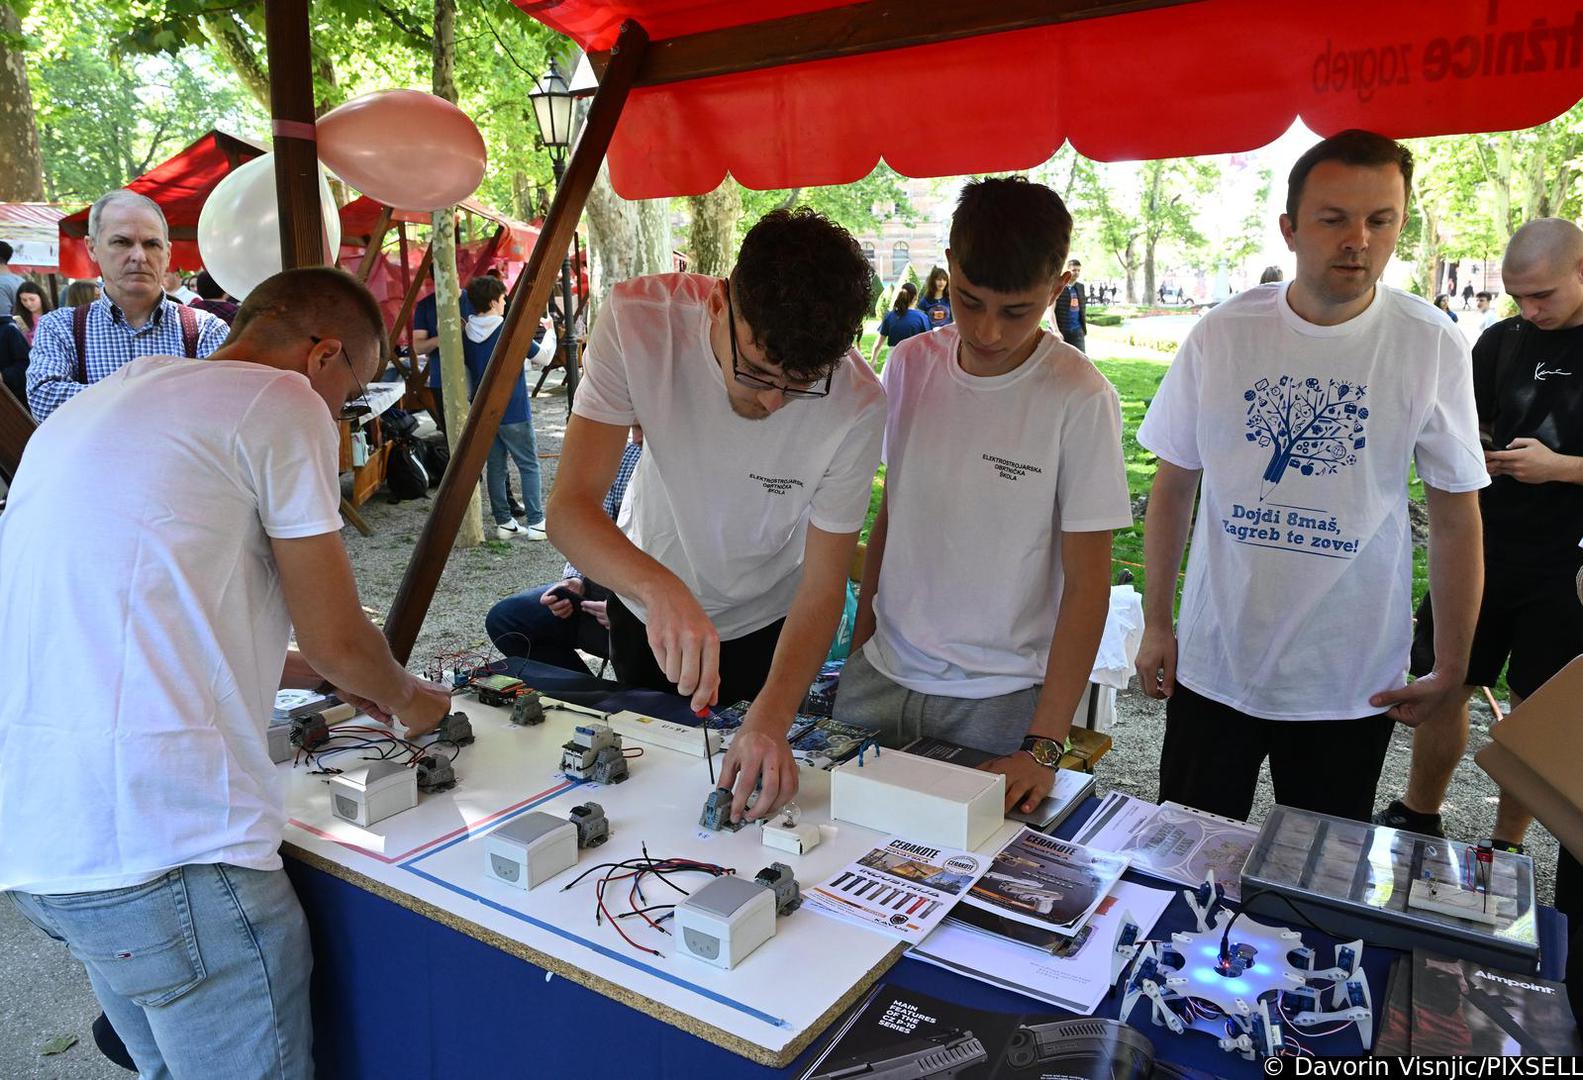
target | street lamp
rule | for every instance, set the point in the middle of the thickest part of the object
(552, 109)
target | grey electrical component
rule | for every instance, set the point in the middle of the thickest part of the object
(528, 708)
(435, 774)
(455, 728)
(594, 753)
(717, 812)
(593, 828)
(778, 878)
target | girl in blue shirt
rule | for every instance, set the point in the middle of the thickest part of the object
(901, 322)
(936, 302)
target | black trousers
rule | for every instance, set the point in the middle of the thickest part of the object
(744, 661)
(1212, 754)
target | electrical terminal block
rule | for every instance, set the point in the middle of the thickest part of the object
(778, 878)
(717, 812)
(435, 774)
(528, 708)
(593, 828)
(455, 728)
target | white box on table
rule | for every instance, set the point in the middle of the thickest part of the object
(920, 798)
(373, 792)
(530, 850)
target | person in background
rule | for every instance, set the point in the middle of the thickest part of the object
(426, 342)
(1488, 316)
(486, 295)
(1071, 309)
(176, 288)
(82, 293)
(13, 358)
(1467, 292)
(32, 304)
(936, 302)
(539, 624)
(9, 280)
(1443, 302)
(901, 322)
(129, 240)
(213, 299)
(1293, 415)
(1271, 274)
(213, 491)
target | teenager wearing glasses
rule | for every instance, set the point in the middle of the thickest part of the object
(1004, 478)
(761, 431)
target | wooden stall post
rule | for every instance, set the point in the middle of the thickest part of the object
(296, 143)
(505, 366)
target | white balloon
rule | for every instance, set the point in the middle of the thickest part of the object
(239, 227)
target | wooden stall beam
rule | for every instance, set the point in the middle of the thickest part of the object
(854, 30)
(376, 244)
(16, 427)
(505, 365)
(295, 147)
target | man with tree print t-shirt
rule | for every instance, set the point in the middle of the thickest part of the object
(1293, 412)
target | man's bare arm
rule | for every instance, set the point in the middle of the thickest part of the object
(873, 562)
(1165, 530)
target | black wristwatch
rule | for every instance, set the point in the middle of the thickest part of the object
(1046, 752)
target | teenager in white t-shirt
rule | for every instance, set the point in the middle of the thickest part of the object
(1294, 412)
(140, 814)
(761, 428)
(986, 583)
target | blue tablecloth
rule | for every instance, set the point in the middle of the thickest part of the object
(397, 994)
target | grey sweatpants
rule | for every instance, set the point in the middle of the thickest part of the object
(995, 725)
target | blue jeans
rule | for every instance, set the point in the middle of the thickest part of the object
(522, 626)
(203, 971)
(518, 441)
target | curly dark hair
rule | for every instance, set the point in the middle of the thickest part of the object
(1009, 234)
(802, 284)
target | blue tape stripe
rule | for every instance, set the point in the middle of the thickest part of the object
(601, 949)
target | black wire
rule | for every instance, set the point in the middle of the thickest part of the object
(1225, 938)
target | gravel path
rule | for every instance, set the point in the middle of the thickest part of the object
(45, 994)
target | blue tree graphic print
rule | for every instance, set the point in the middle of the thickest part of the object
(1315, 428)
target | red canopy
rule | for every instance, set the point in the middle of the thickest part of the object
(30, 229)
(180, 185)
(1212, 77)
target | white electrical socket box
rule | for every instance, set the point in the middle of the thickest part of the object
(724, 920)
(529, 850)
(920, 798)
(279, 736)
(373, 792)
(796, 839)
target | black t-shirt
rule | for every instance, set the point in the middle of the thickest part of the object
(1539, 394)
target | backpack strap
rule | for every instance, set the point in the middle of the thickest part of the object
(189, 331)
(79, 336)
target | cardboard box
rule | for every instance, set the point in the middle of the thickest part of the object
(931, 802)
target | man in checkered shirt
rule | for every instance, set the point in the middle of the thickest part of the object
(129, 240)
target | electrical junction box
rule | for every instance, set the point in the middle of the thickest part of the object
(925, 800)
(529, 850)
(279, 736)
(373, 792)
(725, 920)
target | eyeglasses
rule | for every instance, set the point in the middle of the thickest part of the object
(747, 379)
(358, 406)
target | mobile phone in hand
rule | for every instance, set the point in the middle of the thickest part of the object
(561, 592)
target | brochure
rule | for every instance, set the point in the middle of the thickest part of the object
(899, 888)
(1465, 1008)
(1047, 883)
(1172, 841)
(1076, 978)
(898, 1033)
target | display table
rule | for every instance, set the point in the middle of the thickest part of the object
(425, 967)
(367, 477)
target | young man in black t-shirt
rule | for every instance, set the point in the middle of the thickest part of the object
(1528, 382)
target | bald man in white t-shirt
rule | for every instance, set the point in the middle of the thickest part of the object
(761, 432)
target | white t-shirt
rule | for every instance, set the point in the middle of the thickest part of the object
(143, 621)
(1298, 601)
(721, 501)
(982, 476)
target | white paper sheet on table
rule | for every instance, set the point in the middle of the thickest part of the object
(1171, 841)
(1078, 983)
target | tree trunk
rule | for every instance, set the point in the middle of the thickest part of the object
(614, 239)
(21, 166)
(1148, 269)
(1429, 264)
(654, 236)
(445, 49)
(453, 365)
(1503, 185)
(230, 39)
(447, 286)
(712, 237)
(1130, 265)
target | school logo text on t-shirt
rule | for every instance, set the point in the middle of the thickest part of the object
(1007, 469)
(776, 485)
(1311, 428)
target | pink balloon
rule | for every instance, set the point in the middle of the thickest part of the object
(408, 149)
